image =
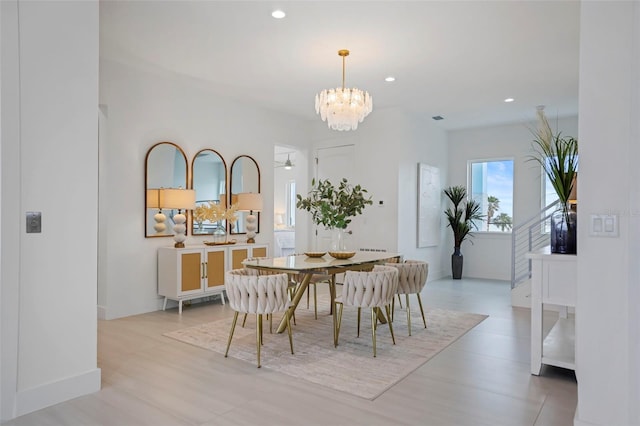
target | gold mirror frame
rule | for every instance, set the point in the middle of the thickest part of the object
(240, 181)
(162, 170)
(210, 184)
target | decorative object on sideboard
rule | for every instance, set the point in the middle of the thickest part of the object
(217, 214)
(334, 207)
(461, 219)
(180, 199)
(558, 156)
(250, 202)
(342, 108)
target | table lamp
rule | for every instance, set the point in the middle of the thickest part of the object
(250, 202)
(180, 199)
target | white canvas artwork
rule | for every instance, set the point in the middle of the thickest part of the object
(428, 205)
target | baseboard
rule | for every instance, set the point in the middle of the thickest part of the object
(578, 422)
(102, 312)
(49, 394)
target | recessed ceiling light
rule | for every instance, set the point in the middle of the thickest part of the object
(509, 100)
(438, 117)
(390, 79)
(278, 14)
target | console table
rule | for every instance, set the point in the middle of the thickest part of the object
(553, 281)
(197, 271)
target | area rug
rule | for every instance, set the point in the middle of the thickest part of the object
(351, 366)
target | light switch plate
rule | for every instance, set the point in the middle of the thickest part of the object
(603, 225)
(34, 222)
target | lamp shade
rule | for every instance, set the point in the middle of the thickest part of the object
(182, 199)
(153, 198)
(248, 201)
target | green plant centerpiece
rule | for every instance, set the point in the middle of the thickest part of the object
(558, 156)
(461, 219)
(334, 207)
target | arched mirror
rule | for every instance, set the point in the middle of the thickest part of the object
(245, 177)
(209, 180)
(165, 167)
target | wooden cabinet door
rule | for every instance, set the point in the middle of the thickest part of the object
(215, 268)
(259, 252)
(191, 271)
(237, 256)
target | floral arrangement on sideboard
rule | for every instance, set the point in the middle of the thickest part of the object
(215, 213)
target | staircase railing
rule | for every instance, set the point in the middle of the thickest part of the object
(525, 237)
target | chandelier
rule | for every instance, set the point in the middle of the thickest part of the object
(342, 108)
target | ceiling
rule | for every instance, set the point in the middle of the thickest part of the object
(456, 59)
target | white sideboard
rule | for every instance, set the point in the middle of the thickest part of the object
(553, 281)
(198, 271)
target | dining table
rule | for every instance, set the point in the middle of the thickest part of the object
(305, 266)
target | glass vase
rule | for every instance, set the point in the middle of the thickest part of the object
(564, 231)
(338, 240)
(219, 234)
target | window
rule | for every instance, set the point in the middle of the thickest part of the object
(491, 184)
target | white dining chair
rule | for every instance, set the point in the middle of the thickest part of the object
(257, 294)
(375, 290)
(412, 277)
(291, 289)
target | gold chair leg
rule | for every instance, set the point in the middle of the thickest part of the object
(337, 318)
(424, 321)
(258, 336)
(400, 301)
(308, 290)
(332, 292)
(270, 316)
(233, 327)
(393, 308)
(393, 337)
(315, 300)
(408, 314)
(244, 320)
(358, 322)
(290, 334)
(374, 325)
(293, 315)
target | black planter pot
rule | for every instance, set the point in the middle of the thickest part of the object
(456, 263)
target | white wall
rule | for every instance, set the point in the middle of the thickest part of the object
(145, 107)
(607, 326)
(49, 165)
(489, 254)
(389, 144)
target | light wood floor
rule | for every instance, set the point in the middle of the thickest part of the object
(482, 379)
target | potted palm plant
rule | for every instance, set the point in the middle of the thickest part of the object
(334, 207)
(461, 219)
(558, 156)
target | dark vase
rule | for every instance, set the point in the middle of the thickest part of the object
(456, 263)
(564, 231)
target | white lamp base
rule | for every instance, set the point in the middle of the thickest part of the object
(160, 226)
(251, 227)
(179, 230)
